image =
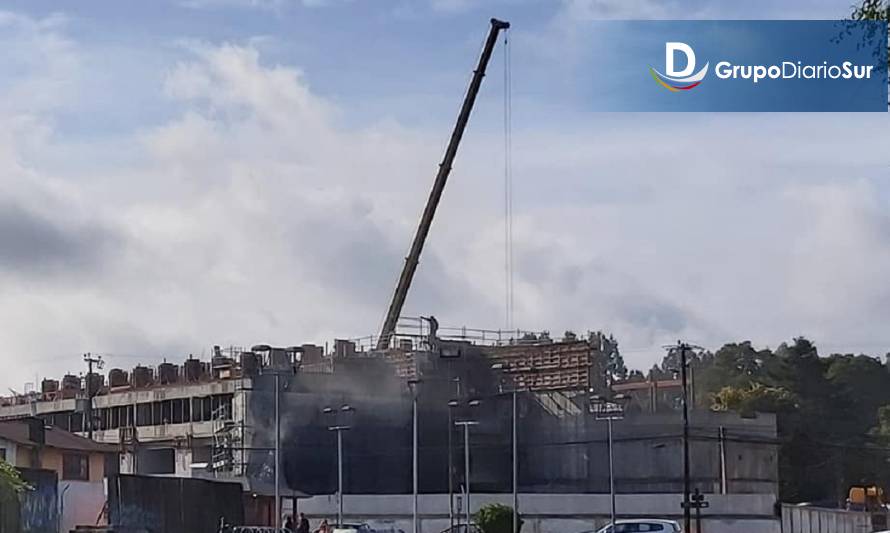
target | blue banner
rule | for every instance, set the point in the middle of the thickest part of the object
(739, 66)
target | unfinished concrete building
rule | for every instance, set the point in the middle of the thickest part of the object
(217, 418)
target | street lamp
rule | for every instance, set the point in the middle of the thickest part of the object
(466, 425)
(277, 373)
(412, 384)
(609, 410)
(456, 381)
(339, 428)
(515, 456)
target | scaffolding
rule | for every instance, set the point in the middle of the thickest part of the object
(225, 441)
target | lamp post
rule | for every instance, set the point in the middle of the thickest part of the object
(276, 372)
(514, 451)
(466, 429)
(339, 429)
(412, 384)
(609, 410)
(456, 381)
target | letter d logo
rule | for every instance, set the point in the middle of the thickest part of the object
(670, 50)
(679, 80)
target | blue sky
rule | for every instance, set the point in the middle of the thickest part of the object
(177, 175)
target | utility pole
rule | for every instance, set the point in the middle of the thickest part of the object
(687, 519)
(90, 361)
(683, 349)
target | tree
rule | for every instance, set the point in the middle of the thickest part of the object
(861, 385)
(738, 365)
(878, 10)
(615, 369)
(882, 430)
(496, 518)
(753, 399)
(10, 479)
(872, 10)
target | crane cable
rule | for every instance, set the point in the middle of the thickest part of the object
(508, 184)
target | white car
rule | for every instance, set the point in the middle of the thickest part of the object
(643, 525)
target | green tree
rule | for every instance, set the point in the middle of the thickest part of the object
(496, 518)
(874, 10)
(615, 370)
(738, 365)
(861, 385)
(882, 430)
(10, 479)
(753, 399)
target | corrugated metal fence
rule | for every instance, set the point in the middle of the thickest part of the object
(173, 505)
(34, 510)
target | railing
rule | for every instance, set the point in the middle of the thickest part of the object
(417, 330)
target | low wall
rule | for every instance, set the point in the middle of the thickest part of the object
(550, 513)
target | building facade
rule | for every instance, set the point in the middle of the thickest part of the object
(225, 418)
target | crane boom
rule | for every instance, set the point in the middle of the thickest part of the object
(423, 229)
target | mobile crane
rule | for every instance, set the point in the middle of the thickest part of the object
(423, 229)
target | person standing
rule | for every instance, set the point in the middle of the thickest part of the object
(303, 525)
(288, 524)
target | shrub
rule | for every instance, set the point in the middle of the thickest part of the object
(496, 518)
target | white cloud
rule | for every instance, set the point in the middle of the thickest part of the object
(254, 215)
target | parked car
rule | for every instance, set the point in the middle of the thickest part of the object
(462, 528)
(351, 528)
(642, 525)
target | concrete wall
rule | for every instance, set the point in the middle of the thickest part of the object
(9, 449)
(551, 513)
(81, 503)
(51, 459)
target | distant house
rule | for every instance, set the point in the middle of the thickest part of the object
(78, 464)
(28, 443)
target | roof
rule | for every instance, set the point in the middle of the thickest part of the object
(18, 431)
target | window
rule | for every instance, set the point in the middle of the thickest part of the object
(638, 527)
(2, 454)
(75, 467)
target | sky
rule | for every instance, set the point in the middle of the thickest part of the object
(183, 173)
